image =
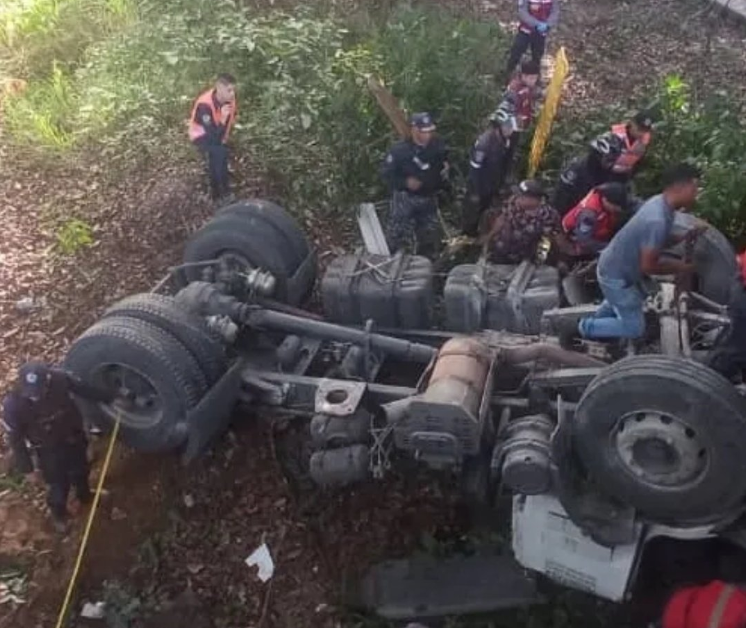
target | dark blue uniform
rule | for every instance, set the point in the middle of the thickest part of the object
(488, 164)
(52, 428)
(415, 211)
(579, 178)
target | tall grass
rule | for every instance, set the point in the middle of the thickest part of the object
(305, 110)
(36, 35)
(41, 116)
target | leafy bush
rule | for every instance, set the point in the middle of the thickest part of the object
(74, 235)
(37, 35)
(305, 111)
(710, 133)
(40, 115)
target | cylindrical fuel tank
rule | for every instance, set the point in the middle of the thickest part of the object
(526, 456)
(335, 431)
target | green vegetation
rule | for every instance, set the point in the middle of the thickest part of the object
(74, 235)
(709, 132)
(302, 83)
(116, 78)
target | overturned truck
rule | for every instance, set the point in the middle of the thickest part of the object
(603, 447)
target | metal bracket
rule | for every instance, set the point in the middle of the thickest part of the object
(337, 397)
(437, 449)
(371, 230)
(517, 287)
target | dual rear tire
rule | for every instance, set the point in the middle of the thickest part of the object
(162, 359)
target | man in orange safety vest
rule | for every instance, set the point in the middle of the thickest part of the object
(636, 135)
(213, 116)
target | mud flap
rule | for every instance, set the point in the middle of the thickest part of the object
(211, 416)
(425, 587)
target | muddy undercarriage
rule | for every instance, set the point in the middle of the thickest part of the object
(605, 446)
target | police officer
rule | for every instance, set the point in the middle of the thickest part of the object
(213, 117)
(489, 162)
(415, 170)
(585, 173)
(40, 415)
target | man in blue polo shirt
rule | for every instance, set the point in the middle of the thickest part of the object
(635, 252)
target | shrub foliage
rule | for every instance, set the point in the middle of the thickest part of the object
(116, 78)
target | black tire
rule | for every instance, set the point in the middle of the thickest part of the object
(714, 259)
(189, 329)
(282, 222)
(253, 240)
(152, 357)
(697, 411)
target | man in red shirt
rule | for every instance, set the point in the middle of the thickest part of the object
(535, 19)
(213, 117)
(522, 94)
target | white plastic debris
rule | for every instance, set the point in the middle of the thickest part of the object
(93, 610)
(26, 305)
(263, 560)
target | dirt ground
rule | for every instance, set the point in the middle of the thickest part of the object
(177, 537)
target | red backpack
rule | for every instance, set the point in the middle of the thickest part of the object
(715, 605)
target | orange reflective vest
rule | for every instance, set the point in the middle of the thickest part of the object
(716, 605)
(633, 150)
(225, 115)
(605, 222)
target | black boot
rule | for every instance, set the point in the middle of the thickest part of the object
(59, 522)
(566, 329)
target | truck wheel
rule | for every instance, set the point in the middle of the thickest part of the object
(665, 435)
(714, 259)
(144, 362)
(245, 244)
(190, 330)
(282, 222)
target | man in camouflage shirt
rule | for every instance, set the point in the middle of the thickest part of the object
(524, 221)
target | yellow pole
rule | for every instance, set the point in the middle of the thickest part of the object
(548, 112)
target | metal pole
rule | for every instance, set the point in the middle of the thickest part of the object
(279, 321)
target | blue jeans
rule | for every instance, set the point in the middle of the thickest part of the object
(619, 316)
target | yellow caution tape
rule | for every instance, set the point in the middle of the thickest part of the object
(548, 112)
(88, 526)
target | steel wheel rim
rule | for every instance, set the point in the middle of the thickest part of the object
(146, 408)
(660, 449)
(234, 261)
